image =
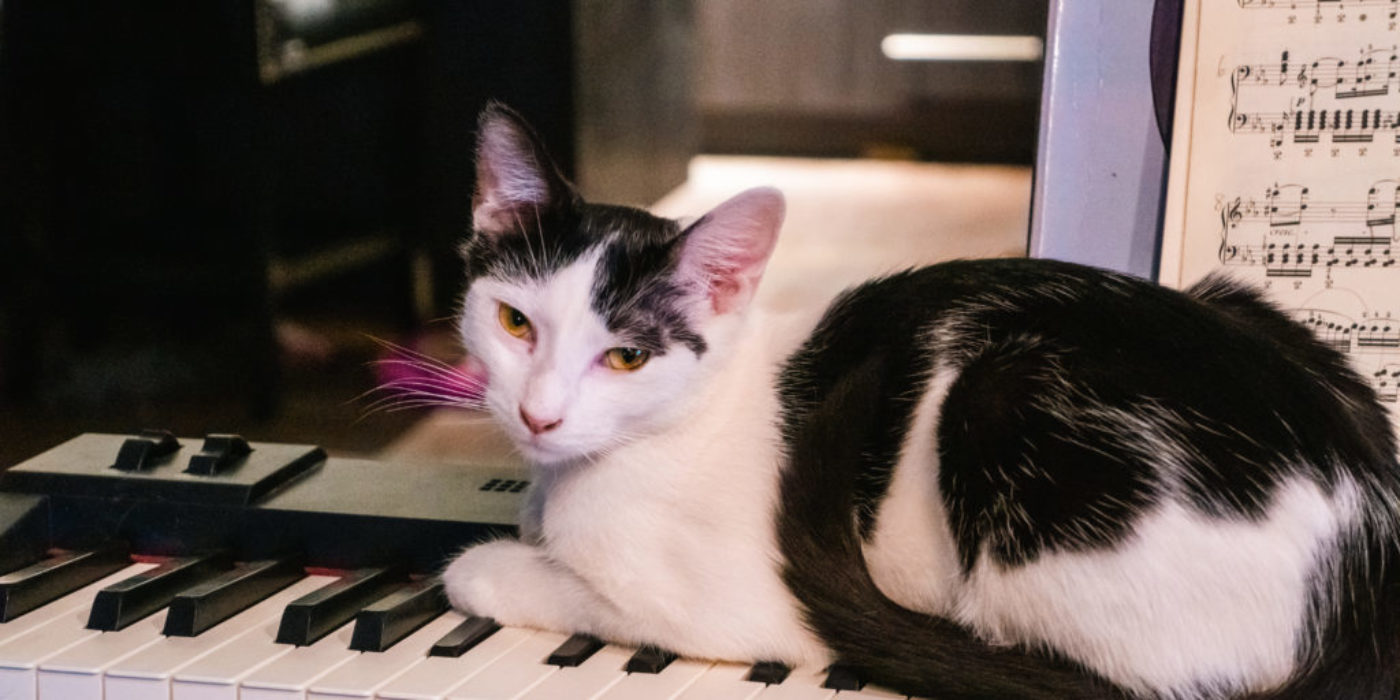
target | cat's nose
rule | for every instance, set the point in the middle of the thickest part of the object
(539, 425)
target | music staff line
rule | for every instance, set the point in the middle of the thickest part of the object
(1320, 5)
(1337, 97)
(1291, 205)
(1369, 341)
(1345, 79)
(1346, 334)
(1290, 260)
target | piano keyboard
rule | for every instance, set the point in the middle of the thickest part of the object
(51, 653)
(271, 571)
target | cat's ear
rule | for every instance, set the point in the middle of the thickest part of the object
(726, 251)
(515, 178)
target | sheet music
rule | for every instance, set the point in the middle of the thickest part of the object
(1285, 165)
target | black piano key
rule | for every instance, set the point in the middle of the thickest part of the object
(207, 604)
(575, 650)
(464, 636)
(317, 613)
(56, 576)
(25, 519)
(649, 660)
(843, 677)
(770, 672)
(125, 602)
(396, 615)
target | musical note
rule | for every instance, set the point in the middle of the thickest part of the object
(1386, 380)
(1317, 5)
(1332, 328)
(1343, 99)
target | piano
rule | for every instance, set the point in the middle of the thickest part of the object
(149, 566)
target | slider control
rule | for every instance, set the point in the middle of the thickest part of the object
(142, 453)
(219, 453)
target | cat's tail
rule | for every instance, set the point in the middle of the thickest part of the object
(1357, 647)
(825, 568)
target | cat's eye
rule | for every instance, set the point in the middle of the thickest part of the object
(626, 359)
(513, 321)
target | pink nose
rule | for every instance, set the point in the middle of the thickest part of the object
(539, 425)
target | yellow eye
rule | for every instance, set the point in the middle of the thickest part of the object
(514, 322)
(627, 359)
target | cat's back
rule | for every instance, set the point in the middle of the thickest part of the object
(1121, 470)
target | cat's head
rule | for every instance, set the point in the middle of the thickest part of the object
(594, 323)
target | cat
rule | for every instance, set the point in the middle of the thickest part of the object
(979, 479)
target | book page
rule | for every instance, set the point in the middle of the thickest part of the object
(1285, 166)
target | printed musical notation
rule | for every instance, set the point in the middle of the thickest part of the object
(1372, 343)
(1348, 100)
(1394, 5)
(1388, 9)
(1290, 234)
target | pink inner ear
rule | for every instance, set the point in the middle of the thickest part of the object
(509, 176)
(727, 250)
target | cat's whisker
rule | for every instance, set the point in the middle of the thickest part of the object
(454, 375)
(400, 386)
(402, 350)
(417, 396)
(444, 397)
(404, 403)
(425, 363)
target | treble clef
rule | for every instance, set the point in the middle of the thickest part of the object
(1230, 216)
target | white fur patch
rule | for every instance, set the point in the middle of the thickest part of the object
(1189, 599)
(676, 529)
(911, 555)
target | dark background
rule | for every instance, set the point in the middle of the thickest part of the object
(208, 210)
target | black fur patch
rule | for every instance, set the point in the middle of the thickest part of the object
(635, 289)
(865, 322)
(1028, 461)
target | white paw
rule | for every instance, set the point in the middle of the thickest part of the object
(479, 580)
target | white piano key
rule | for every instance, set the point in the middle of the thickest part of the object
(216, 676)
(587, 680)
(801, 684)
(76, 672)
(149, 673)
(291, 674)
(80, 599)
(514, 672)
(434, 676)
(20, 656)
(371, 670)
(658, 686)
(724, 681)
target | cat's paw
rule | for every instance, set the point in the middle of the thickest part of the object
(486, 579)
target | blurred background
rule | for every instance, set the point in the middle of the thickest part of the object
(215, 215)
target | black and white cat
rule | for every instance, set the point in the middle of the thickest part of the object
(987, 479)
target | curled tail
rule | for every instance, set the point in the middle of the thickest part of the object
(826, 570)
(1357, 622)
